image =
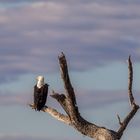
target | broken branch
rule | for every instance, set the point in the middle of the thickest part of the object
(65, 76)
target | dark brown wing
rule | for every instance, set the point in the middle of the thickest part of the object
(45, 94)
(40, 96)
(36, 98)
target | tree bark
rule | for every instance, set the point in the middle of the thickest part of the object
(73, 117)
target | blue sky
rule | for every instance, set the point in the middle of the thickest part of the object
(96, 36)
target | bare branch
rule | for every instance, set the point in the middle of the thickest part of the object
(132, 101)
(119, 119)
(61, 98)
(32, 106)
(60, 117)
(65, 102)
(54, 113)
(65, 76)
(127, 120)
(130, 81)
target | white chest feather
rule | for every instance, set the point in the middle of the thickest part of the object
(40, 81)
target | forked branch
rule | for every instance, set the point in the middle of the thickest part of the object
(134, 106)
(73, 117)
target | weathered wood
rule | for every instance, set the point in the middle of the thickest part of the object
(134, 106)
(54, 113)
(73, 117)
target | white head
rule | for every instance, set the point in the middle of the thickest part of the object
(40, 81)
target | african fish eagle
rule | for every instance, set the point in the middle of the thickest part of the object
(40, 93)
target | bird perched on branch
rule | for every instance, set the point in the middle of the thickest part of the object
(40, 93)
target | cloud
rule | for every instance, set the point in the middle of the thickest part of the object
(91, 34)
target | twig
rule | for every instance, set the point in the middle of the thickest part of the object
(119, 119)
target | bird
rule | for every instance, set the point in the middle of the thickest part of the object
(40, 93)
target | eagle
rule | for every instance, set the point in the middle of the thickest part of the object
(40, 93)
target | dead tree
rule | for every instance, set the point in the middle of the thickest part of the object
(73, 117)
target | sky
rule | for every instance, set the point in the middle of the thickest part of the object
(96, 36)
